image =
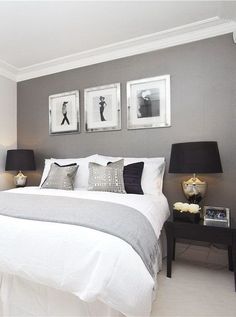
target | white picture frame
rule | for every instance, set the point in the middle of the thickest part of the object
(102, 108)
(148, 103)
(216, 216)
(64, 113)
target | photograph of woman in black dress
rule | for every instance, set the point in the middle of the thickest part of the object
(102, 108)
(102, 104)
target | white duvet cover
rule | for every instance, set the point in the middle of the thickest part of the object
(90, 264)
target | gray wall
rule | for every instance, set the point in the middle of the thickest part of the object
(203, 107)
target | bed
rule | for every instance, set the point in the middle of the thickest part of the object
(58, 269)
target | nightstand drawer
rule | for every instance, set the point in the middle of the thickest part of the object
(202, 233)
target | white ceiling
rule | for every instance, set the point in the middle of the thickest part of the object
(37, 32)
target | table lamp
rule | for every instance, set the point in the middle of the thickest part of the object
(20, 160)
(195, 157)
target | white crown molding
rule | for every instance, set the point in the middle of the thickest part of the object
(234, 37)
(196, 31)
(8, 71)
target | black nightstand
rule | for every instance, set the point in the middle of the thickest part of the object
(199, 232)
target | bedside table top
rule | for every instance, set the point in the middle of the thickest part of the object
(232, 224)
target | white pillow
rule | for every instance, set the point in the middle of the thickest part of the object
(81, 178)
(153, 172)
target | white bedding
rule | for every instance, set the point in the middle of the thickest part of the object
(91, 264)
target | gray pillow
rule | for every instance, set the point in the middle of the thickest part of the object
(107, 178)
(61, 177)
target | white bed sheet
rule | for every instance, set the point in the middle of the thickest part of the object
(94, 266)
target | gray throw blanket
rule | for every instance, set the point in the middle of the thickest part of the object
(115, 219)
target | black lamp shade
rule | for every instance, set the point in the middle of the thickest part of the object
(195, 157)
(20, 160)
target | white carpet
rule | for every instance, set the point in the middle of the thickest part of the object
(201, 284)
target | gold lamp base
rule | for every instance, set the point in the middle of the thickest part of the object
(20, 179)
(194, 189)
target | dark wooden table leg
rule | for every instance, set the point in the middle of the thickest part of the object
(170, 243)
(234, 257)
(230, 258)
(173, 256)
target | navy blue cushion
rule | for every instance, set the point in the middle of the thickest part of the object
(132, 178)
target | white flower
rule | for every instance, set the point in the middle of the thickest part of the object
(185, 207)
(194, 208)
(178, 206)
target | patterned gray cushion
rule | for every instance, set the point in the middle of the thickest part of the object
(61, 177)
(107, 178)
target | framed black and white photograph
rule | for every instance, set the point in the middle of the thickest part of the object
(216, 216)
(64, 113)
(148, 102)
(102, 108)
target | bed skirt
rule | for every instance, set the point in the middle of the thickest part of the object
(22, 298)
